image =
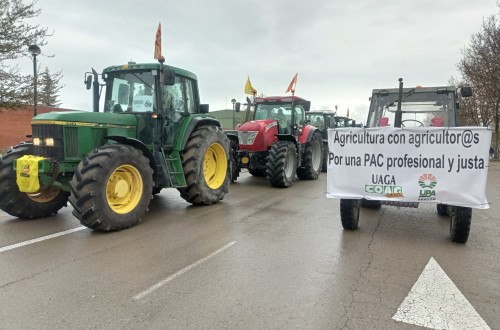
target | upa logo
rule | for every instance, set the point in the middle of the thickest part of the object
(427, 182)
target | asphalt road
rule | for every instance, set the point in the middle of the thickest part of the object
(263, 258)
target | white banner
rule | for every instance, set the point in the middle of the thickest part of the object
(424, 164)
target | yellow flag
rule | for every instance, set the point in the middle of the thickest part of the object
(249, 88)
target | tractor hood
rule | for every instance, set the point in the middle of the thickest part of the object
(258, 125)
(85, 118)
(258, 135)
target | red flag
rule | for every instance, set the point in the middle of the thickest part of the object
(291, 87)
(347, 112)
(158, 43)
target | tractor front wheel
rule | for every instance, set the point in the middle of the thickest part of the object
(461, 218)
(324, 162)
(26, 205)
(349, 213)
(313, 155)
(205, 163)
(282, 164)
(111, 188)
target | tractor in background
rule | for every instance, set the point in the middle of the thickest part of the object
(414, 107)
(278, 143)
(153, 133)
(323, 120)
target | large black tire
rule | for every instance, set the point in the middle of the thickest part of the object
(206, 166)
(324, 162)
(461, 218)
(111, 188)
(282, 164)
(26, 205)
(312, 158)
(349, 213)
(371, 204)
(442, 209)
(235, 167)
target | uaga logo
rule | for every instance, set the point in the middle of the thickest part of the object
(427, 182)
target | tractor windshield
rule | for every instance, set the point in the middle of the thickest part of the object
(420, 107)
(132, 91)
(280, 112)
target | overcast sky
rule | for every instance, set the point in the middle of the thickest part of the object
(340, 49)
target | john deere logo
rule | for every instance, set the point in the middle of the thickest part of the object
(427, 182)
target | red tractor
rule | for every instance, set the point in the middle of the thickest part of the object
(278, 143)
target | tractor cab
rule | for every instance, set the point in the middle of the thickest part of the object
(288, 112)
(134, 89)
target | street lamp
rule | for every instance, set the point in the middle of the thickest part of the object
(34, 50)
(233, 101)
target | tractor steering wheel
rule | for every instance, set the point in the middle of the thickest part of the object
(417, 121)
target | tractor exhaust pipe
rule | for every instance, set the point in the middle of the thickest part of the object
(399, 113)
(95, 92)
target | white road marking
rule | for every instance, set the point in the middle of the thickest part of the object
(180, 272)
(436, 303)
(39, 239)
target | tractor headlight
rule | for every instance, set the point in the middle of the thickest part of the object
(49, 142)
(247, 138)
(251, 137)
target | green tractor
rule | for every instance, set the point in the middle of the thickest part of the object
(152, 134)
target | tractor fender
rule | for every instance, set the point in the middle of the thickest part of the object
(160, 173)
(136, 144)
(232, 136)
(193, 124)
(307, 134)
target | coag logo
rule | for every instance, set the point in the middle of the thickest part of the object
(427, 182)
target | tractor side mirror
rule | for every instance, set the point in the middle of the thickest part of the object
(237, 106)
(466, 91)
(88, 82)
(169, 77)
(203, 108)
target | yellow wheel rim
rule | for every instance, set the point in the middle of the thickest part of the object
(215, 166)
(124, 189)
(44, 196)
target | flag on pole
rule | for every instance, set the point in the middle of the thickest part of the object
(347, 112)
(249, 88)
(158, 54)
(291, 87)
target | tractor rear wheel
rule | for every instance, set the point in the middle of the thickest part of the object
(349, 213)
(460, 224)
(235, 167)
(282, 164)
(324, 162)
(26, 205)
(313, 155)
(205, 163)
(111, 188)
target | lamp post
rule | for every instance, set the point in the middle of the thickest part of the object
(233, 101)
(34, 50)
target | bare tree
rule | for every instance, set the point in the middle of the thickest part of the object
(480, 65)
(16, 34)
